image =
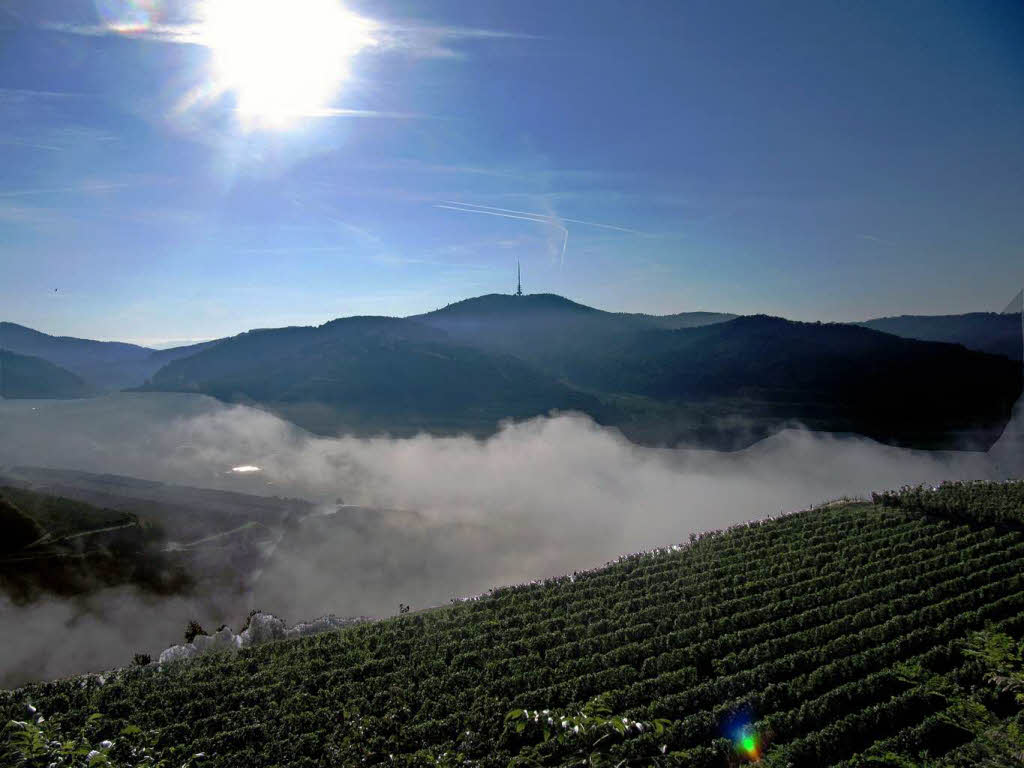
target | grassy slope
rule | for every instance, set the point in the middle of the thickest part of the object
(82, 548)
(797, 621)
(62, 517)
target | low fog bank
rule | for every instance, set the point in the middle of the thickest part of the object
(56, 638)
(428, 518)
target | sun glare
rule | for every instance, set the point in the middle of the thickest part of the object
(282, 60)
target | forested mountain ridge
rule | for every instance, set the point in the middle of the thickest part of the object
(25, 376)
(723, 384)
(828, 376)
(701, 378)
(102, 365)
(999, 334)
(372, 374)
(838, 636)
(549, 330)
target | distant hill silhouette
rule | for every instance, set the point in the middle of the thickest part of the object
(103, 365)
(372, 374)
(25, 376)
(832, 376)
(692, 379)
(999, 334)
(548, 330)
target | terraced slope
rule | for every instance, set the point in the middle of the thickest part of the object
(796, 623)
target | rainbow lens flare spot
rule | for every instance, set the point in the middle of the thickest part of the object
(747, 745)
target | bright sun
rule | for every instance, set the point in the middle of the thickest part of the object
(282, 59)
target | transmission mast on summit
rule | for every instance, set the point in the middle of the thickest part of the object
(519, 280)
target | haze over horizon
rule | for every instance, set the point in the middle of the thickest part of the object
(817, 162)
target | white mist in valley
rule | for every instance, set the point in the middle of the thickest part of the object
(425, 518)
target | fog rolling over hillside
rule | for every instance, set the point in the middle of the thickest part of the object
(433, 517)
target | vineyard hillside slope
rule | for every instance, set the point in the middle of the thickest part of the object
(812, 639)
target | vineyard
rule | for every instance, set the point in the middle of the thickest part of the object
(813, 639)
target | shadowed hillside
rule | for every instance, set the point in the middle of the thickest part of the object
(999, 334)
(57, 545)
(372, 374)
(833, 377)
(24, 376)
(19, 530)
(548, 330)
(102, 365)
(713, 382)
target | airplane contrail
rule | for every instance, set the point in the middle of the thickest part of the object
(545, 216)
(511, 213)
(537, 218)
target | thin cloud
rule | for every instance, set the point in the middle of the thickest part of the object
(546, 216)
(411, 39)
(434, 42)
(29, 144)
(23, 94)
(57, 139)
(338, 112)
(538, 218)
(96, 187)
(21, 215)
(178, 34)
(551, 219)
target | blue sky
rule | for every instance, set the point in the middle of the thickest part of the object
(815, 160)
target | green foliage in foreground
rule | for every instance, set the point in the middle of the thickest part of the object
(995, 740)
(36, 743)
(804, 633)
(981, 502)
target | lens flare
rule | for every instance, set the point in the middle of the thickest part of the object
(747, 742)
(275, 61)
(282, 60)
(128, 17)
(749, 747)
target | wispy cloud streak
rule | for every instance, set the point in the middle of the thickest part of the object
(338, 112)
(419, 41)
(23, 94)
(436, 42)
(547, 217)
(541, 218)
(97, 187)
(29, 144)
(180, 34)
(535, 217)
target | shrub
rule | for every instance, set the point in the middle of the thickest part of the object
(193, 629)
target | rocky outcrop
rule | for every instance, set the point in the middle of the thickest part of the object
(263, 628)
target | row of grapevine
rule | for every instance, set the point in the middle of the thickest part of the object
(795, 623)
